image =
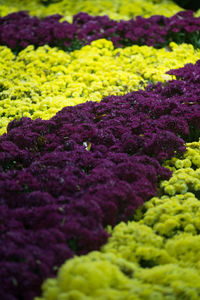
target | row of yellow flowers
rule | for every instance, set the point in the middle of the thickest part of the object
(114, 9)
(38, 83)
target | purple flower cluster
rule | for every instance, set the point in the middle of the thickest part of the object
(154, 31)
(19, 30)
(63, 180)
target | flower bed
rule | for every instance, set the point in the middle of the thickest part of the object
(118, 173)
(18, 30)
(156, 255)
(45, 80)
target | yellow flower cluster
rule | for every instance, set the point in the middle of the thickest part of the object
(156, 256)
(135, 264)
(38, 83)
(186, 172)
(147, 247)
(170, 215)
(197, 13)
(118, 9)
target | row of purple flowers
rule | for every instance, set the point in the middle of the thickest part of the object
(18, 30)
(63, 180)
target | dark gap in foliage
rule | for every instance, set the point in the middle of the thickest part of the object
(189, 4)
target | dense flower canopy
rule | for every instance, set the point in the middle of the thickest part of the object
(99, 150)
(18, 30)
